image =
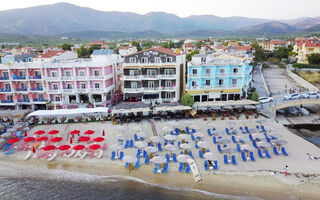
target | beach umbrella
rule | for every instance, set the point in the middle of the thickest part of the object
(117, 147)
(151, 149)
(13, 140)
(156, 139)
(243, 138)
(140, 144)
(216, 108)
(203, 144)
(53, 132)
(276, 135)
(71, 140)
(84, 139)
(170, 147)
(199, 134)
(186, 146)
(183, 158)
(195, 126)
(227, 107)
(210, 156)
(121, 136)
(78, 147)
(25, 134)
(172, 123)
(167, 129)
(234, 131)
(74, 132)
(121, 128)
(103, 133)
(94, 146)
(29, 139)
(33, 149)
(137, 128)
(211, 124)
(218, 133)
(98, 139)
(280, 142)
(263, 144)
(229, 150)
(56, 139)
(89, 132)
(39, 132)
(12, 130)
(231, 123)
(170, 137)
(247, 147)
(224, 141)
(129, 159)
(159, 160)
(48, 148)
(64, 147)
(183, 136)
(142, 134)
(258, 136)
(44, 138)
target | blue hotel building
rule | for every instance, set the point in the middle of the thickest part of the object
(218, 77)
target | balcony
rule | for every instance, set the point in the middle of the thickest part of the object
(68, 90)
(7, 101)
(51, 78)
(36, 89)
(138, 64)
(96, 77)
(207, 75)
(193, 75)
(5, 90)
(34, 77)
(168, 88)
(151, 90)
(42, 100)
(168, 76)
(82, 90)
(23, 101)
(4, 78)
(19, 78)
(137, 77)
(67, 78)
(53, 91)
(21, 89)
(153, 77)
(133, 90)
(97, 89)
(81, 78)
(221, 74)
(168, 100)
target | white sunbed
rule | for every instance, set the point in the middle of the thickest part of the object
(84, 155)
(78, 154)
(100, 154)
(71, 154)
(28, 155)
(52, 157)
(40, 155)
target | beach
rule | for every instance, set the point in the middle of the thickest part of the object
(245, 180)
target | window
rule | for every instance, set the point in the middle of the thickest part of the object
(222, 71)
(97, 85)
(9, 97)
(133, 72)
(169, 71)
(57, 98)
(22, 73)
(5, 74)
(132, 60)
(208, 71)
(83, 85)
(221, 81)
(150, 84)
(68, 73)
(25, 96)
(235, 70)
(54, 74)
(69, 86)
(157, 60)
(39, 85)
(168, 83)
(146, 53)
(55, 86)
(7, 86)
(96, 73)
(234, 81)
(203, 59)
(168, 95)
(144, 60)
(40, 96)
(169, 59)
(151, 72)
(194, 71)
(37, 73)
(155, 53)
(207, 82)
(82, 73)
(194, 83)
(134, 85)
(23, 85)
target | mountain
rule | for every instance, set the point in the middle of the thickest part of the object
(270, 28)
(307, 23)
(315, 29)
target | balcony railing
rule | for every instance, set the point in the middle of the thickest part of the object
(35, 77)
(168, 99)
(7, 101)
(4, 78)
(19, 78)
(97, 89)
(150, 76)
(207, 75)
(212, 87)
(81, 77)
(51, 78)
(54, 91)
(151, 89)
(67, 78)
(39, 100)
(133, 89)
(96, 77)
(5, 90)
(23, 100)
(193, 75)
(36, 89)
(169, 88)
(137, 77)
(168, 76)
(21, 89)
(222, 74)
(68, 90)
(82, 90)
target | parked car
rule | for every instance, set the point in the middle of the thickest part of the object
(265, 99)
(311, 95)
(292, 96)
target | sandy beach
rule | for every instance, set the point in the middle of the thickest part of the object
(249, 179)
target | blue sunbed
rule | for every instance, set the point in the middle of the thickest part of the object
(215, 167)
(252, 157)
(225, 159)
(156, 168)
(113, 155)
(196, 145)
(219, 148)
(267, 153)
(159, 147)
(190, 154)
(135, 137)
(121, 155)
(214, 139)
(137, 164)
(238, 148)
(188, 169)
(209, 132)
(260, 153)
(283, 150)
(168, 157)
(206, 165)
(200, 153)
(233, 160)
(243, 156)
(174, 157)
(165, 168)
(10, 151)
(181, 167)
(146, 160)
(233, 139)
(131, 143)
(275, 151)
(138, 153)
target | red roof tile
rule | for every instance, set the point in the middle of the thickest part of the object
(50, 54)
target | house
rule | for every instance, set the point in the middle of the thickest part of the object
(102, 44)
(155, 75)
(56, 56)
(189, 47)
(218, 77)
(17, 58)
(28, 50)
(273, 45)
(304, 48)
(123, 51)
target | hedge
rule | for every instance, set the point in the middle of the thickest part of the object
(302, 66)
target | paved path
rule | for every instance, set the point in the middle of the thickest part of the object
(153, 126)
(258, 82)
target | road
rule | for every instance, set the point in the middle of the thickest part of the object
(258, 82)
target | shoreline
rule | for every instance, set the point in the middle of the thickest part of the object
(250, 186)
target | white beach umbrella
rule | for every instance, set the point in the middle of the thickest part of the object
(218, 133)
(195, 126)
(121, 136)
(258, 136)
(151, 149)
(122, 128)
(247, 147)
(210, 156)
(203, 144)
(263, 144)
(170, 137)
(172, 123)
(129, 159)
(280, 142)
(184, 136)
(276, 135)
(140, 144)
(224, 141)
(117, 147)
(142, 134)
(229, 150)
(170, 147)
(159, 160)
(186, 146)
(156, 139)
(167, 129)
(183, 158)
(199, 134)
(243, 138)
(228, 107)
(137, 128)
(211, 124)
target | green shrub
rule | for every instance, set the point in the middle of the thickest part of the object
(301, 66)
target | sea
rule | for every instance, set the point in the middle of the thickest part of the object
(109, 188)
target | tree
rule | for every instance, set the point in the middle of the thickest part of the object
(66, 46)
(259, 53)
(92, 48)
(199, 44)
(136, 44)
(282, 52)
(187, 100)
(314, 59)
(82, 52)
(254, 96)
(189, 56)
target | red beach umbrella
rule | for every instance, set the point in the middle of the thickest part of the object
(71, 140)
(94, 146)
(84, 139)
(29, 139)
(98, 139)
(79, 147)
(39, 132)
(25, 134)
(13, 140)
(33, 149)
(48, 148)
(53, 132)
(103, 133)
(44, 138)
(89, 132)
(64, 147)
(56, 139)
(74, 132)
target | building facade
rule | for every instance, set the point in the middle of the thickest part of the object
(304, 48)
(64, 84)
(218, 77)
(153, 76)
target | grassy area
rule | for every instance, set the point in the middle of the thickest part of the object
(312, 77)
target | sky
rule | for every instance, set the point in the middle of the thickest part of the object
(267, 9)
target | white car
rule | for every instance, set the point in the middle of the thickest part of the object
(311, 95)
(292, 96)
(265, 99)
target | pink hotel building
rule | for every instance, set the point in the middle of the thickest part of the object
(63, 84)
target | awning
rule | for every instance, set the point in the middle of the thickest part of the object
(224, 103)
(68, 112)
(128, 95)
